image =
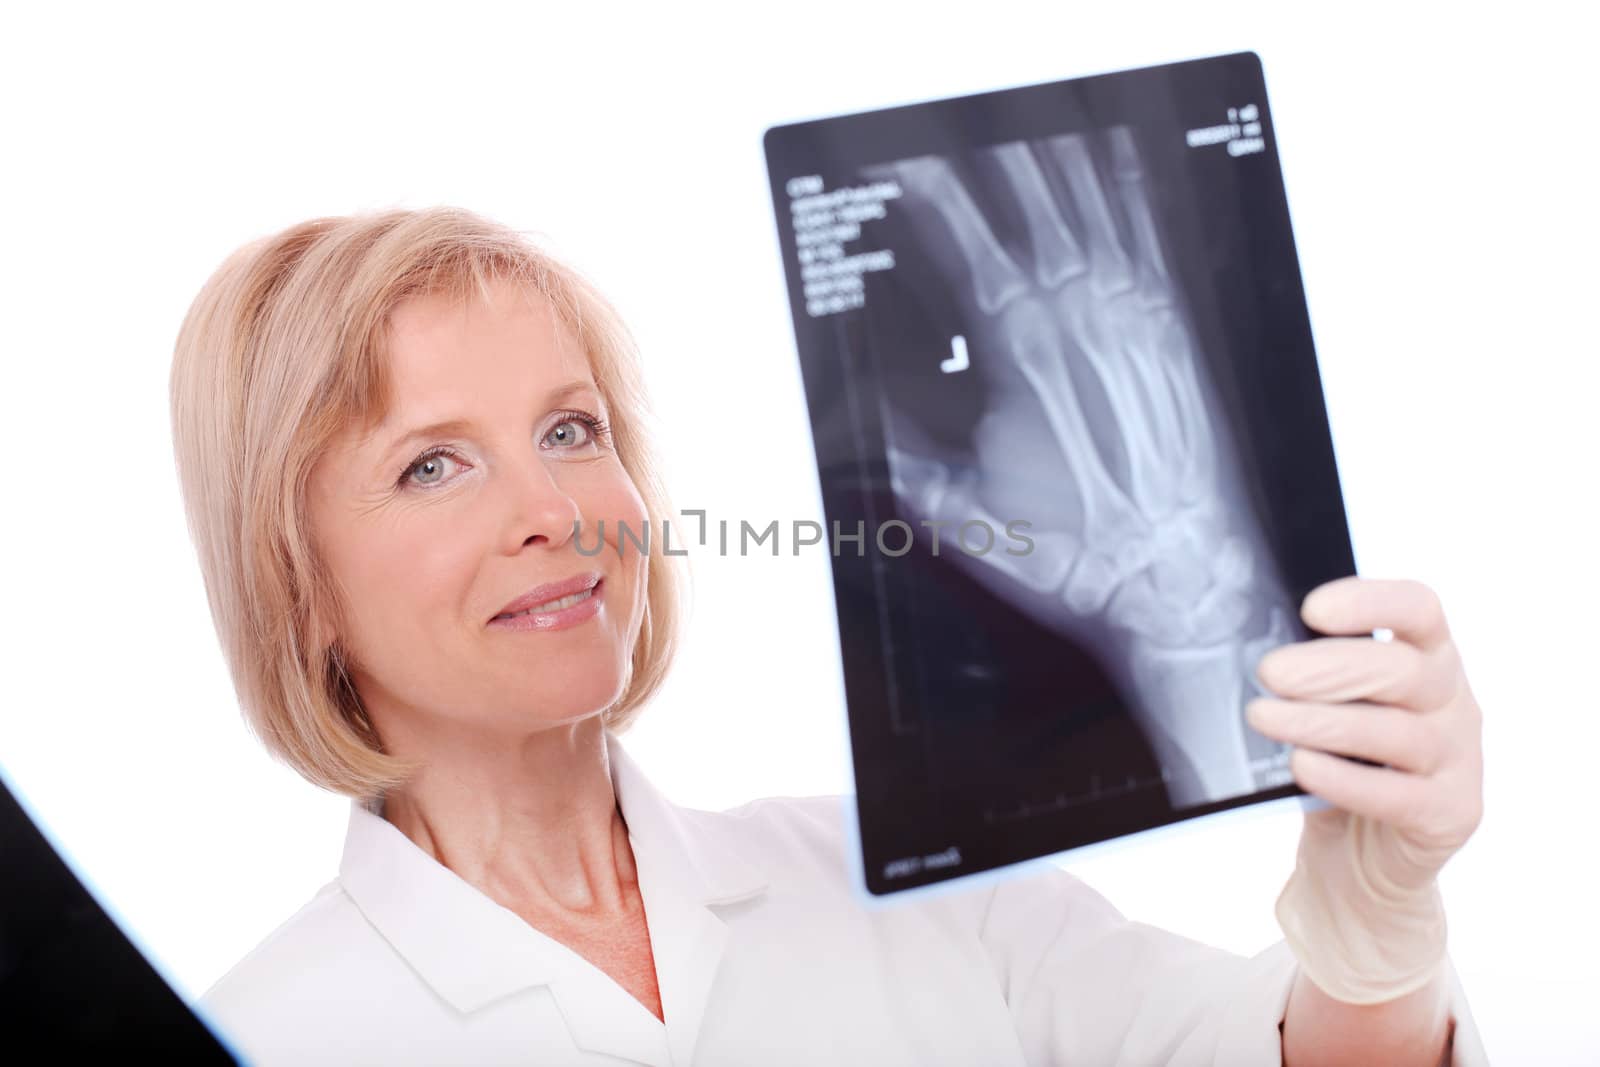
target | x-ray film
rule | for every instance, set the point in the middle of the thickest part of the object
(1073, 452)
(71, 982)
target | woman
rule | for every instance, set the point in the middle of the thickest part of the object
(401, 438)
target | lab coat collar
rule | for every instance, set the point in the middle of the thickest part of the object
(472, 951)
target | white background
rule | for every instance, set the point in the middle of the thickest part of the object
(1441, 183)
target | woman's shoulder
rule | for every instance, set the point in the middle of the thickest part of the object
(808, 845)
(815, 832)
(819, 813)
(801, 828)
(799, 844)
(303, 963)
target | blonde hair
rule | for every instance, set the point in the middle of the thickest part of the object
(281, 350)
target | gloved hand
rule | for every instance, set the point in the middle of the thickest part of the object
(1362, 911)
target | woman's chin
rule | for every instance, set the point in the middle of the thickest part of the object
(565, 705)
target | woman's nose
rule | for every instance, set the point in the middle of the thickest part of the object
(542, 511)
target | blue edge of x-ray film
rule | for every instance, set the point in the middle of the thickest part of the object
(104, 901)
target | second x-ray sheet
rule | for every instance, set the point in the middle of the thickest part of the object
(1073, 451)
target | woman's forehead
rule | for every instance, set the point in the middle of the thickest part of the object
(504, 309)
(439, 342)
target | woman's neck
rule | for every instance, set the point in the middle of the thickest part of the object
(534, 825)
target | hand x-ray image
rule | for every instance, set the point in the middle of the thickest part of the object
(1062, 385)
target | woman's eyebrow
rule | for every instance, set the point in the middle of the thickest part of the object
(460, 425)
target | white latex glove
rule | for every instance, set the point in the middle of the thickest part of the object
(1362, 911)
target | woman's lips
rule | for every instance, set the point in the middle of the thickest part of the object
(558, 614)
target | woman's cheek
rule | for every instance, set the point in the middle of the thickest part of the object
(622, 506)
(643, 538)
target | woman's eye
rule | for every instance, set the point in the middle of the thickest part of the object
(570, 433)
(428, 469)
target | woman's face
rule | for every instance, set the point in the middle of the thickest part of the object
(433, 530)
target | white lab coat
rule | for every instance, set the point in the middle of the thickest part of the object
(763, 957)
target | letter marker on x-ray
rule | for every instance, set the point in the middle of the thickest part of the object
(958, 356)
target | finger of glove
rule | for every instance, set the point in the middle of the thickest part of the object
(1337, 669)
(1401, 739)
(1356, 605)
(1394, 797)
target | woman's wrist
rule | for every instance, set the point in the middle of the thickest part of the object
(1361, 939)
(1415, 1029)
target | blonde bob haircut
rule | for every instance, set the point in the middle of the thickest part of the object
(283, 349)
